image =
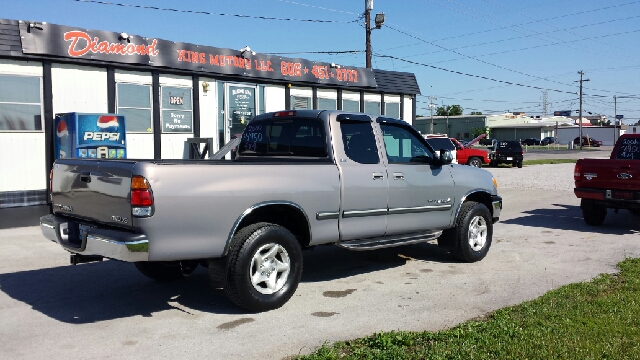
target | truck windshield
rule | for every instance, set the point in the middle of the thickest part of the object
(287, 137)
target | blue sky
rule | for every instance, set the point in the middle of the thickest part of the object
(540, 45)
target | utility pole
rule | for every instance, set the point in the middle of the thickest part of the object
(368, 6)
(545, 102)
(580, 118)
(615, 119)
(379, 20)
(431, 107)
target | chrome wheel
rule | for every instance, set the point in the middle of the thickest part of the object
(475, 162)
(270, 268)
(477, 233)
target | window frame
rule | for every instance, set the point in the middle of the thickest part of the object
(41, 104)
(118, 107)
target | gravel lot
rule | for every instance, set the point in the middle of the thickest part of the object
(108, 310)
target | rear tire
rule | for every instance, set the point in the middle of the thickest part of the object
(592, 213)
(264, 267)
(470, 240)
(475, 162)
(164, 270)
(520, 164)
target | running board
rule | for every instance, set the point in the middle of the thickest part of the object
(389, 241)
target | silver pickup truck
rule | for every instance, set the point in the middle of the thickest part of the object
(300, 179)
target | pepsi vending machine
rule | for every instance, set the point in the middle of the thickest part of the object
(90, 136)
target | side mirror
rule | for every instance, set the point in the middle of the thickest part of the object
(445, 157)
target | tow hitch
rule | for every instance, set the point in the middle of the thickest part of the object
(76, 259)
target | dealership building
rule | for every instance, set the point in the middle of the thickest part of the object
(169, 92)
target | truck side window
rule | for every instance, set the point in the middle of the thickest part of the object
(403, 146)
(288, 137)
(359, 142)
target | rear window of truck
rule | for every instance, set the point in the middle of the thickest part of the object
(629, 148)
(286, 137)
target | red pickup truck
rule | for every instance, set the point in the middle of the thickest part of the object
(612, 183)
(469, 156)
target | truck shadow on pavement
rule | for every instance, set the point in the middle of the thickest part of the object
(109, 290)
(569, 217)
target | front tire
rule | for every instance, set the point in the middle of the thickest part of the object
(264, 267)
(475, 162)
(471, 239)
(592, 213)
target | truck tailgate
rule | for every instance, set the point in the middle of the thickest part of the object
(94, 190)
(609, 174)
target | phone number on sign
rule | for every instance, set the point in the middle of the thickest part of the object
(319, 72)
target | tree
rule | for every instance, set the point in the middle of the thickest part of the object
(476, 113)
(475, 132)
(449, 110)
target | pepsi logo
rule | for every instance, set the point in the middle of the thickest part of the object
(63, 133)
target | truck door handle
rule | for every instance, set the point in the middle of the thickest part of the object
(398, 176)
(85, 177)
(378, 176)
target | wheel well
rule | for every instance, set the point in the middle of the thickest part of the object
(287, 216)
(480, 197)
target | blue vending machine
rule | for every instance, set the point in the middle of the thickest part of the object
(81, 135)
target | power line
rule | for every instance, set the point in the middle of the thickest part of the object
(470, 75)
(474, 58)
(212, 13)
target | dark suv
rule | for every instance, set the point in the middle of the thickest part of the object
(506, 151)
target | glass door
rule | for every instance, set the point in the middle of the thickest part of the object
(240, 108)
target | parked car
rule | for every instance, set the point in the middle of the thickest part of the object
(506, 151)
(548, 140)
(469, 156)
(442, 142)
(530, 141)
(587, 141)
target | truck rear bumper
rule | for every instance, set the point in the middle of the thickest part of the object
(79, 238)
(618, 199)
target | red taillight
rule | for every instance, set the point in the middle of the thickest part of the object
(284, 113)
(577, 172)
(141, 198)
(141, 194)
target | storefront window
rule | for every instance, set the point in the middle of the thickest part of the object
(326, 104)
(300, 103)
(20, 103)
(134, 102)
(351, 105)
(392, 110)
(372, 107)
(176, 110)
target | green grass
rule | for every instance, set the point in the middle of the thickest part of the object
(598, 319)
(549, 161)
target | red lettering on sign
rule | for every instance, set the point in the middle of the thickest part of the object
(213, 60)
(202, 58)
(81, 43)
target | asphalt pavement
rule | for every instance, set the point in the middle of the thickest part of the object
(50, 309)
